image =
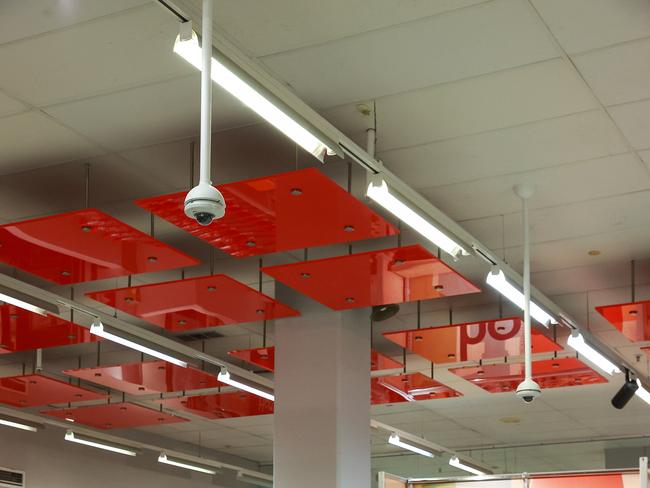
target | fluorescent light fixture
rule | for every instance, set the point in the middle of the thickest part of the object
(224, 377)
(26, 302)
(188, 48)
(457, 463)
(379, 192)
(99, 444)
(19, 423)
(577, 342)
(254, 480)
(396, 441)
(181, 463)
(642, 393)
(497, 280)
(99, 329)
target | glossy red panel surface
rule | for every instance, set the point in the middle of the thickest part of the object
(147, 378)
(221, 405)
(584, 481)
(281, 212)
(84, 245)
(115, 416)
(397, 275)
(21, 330)
(471, 341)
(264, 357)
(632, 319)
(550, 373)
(416, 386)
(36, 390)
(380, 395)
(193, 303)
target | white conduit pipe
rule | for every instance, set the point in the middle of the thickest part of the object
(206, 93)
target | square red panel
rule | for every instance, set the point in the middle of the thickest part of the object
(115, 416)
(264, 357)
(632, 319)
(472, 341)
(147, 378)
(416, 386)
(275, 213)
(221, 405)
(549, 373)
(192, 303)
(397, 275)
(35, 390)
(84, 245)
(21, 330)
(380, 395)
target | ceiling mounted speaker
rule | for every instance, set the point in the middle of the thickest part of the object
(383, 312)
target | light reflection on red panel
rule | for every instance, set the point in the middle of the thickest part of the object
(278, 213)
(397, 275)
(84, 245)
(221, 405)
(147, 378)
(193, 303)
(115, 416)
(550, 373)
(416, 386)
(380, 395)
(35, 390)
(21, 330)
(264, 357)
(472, 341)
(632, 319)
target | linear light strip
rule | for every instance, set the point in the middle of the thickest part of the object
(457, 463)
(577, 342)
(22, 304)
(378, 191)
(396, 441)
(497, 280)
(190, 50)
(18, 423)
(99, 444)
(224, 377)
(100, 330)
(642, 393)
(181, 463)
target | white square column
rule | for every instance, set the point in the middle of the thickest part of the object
(322, 396)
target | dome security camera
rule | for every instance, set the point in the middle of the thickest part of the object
(205, 203)
(528, 390)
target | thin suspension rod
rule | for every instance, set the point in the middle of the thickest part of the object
(527, 331)
(206, 93)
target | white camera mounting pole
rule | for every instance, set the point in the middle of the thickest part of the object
(528, 390)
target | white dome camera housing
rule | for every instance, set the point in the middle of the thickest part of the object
(528, 390)
(204, 203)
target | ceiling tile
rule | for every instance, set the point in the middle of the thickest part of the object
(461, 44)
(32, 140)
(40, 75)
(634, 121)
(581, 25)
(9, 106)
(551, 142)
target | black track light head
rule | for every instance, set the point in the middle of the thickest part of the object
(625, 394)
(383, 312)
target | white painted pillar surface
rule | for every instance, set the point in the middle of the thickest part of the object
(322, 396)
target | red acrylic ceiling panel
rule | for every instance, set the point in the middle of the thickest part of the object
(36, 390)
(147, 378)
(471, 341)
(84, 245)
(193, 303)
(21, 330)
(278, 213)
(115, 416)
(632, 319)
(416, 386)
(264, 357)
(549, 373)
(380, 395)
(397, 275)
(221, 405)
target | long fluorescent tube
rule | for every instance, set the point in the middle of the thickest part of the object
(395, 440)
(457, 463)
(19, 423)
(98, 329)
(642, 393)
(577, 342)
(189, 49)
(29, 303)
(497, 280)
(100, 444)
(181, 463)
(379, 192)
(254, 480)
(224, 377)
